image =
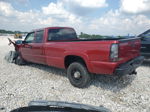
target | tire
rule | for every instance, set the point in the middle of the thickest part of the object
(78, 75)
(19, 60)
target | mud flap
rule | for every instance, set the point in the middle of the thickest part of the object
(10, 57)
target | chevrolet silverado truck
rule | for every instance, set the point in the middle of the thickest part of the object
(60, 47)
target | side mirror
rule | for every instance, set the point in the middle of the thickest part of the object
(23, 42)
(18, 42)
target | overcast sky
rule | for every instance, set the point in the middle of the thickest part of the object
(106, 17)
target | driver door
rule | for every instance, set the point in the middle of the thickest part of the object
(26, 49)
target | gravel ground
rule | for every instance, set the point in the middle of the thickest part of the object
(21, 84)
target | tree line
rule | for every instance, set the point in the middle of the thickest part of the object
(11, 32)
(93, 36)
(88, 36)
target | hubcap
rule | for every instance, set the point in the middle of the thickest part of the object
(77, 75)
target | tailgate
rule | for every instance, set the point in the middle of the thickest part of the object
(129, 48)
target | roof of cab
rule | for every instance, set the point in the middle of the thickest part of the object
(56, 27)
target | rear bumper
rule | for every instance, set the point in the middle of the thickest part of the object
(129, 67)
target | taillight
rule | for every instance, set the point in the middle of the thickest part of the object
(114, 52)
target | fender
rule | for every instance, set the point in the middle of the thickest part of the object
(83, 56)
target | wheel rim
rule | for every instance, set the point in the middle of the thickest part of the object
(76, 76)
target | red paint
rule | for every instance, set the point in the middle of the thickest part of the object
(94, 53)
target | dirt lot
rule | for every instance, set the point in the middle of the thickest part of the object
(21, 84)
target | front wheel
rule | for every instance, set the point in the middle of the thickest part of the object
(19, 60)
(78, 75)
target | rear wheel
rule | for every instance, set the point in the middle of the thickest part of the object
(78, 75)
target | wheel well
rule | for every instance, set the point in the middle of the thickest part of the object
(71, 58)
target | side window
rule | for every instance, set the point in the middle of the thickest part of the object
(39, 36)
(29, 38)
(53, 34)
(61, 34)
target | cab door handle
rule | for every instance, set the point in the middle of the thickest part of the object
(28, 46)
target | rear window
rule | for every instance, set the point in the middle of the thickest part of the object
(61, 34)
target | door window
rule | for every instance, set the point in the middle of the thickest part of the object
(29, 38)
(39, 36)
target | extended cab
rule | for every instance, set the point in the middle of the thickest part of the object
(60, 47)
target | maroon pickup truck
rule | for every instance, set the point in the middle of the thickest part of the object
(60, 47)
